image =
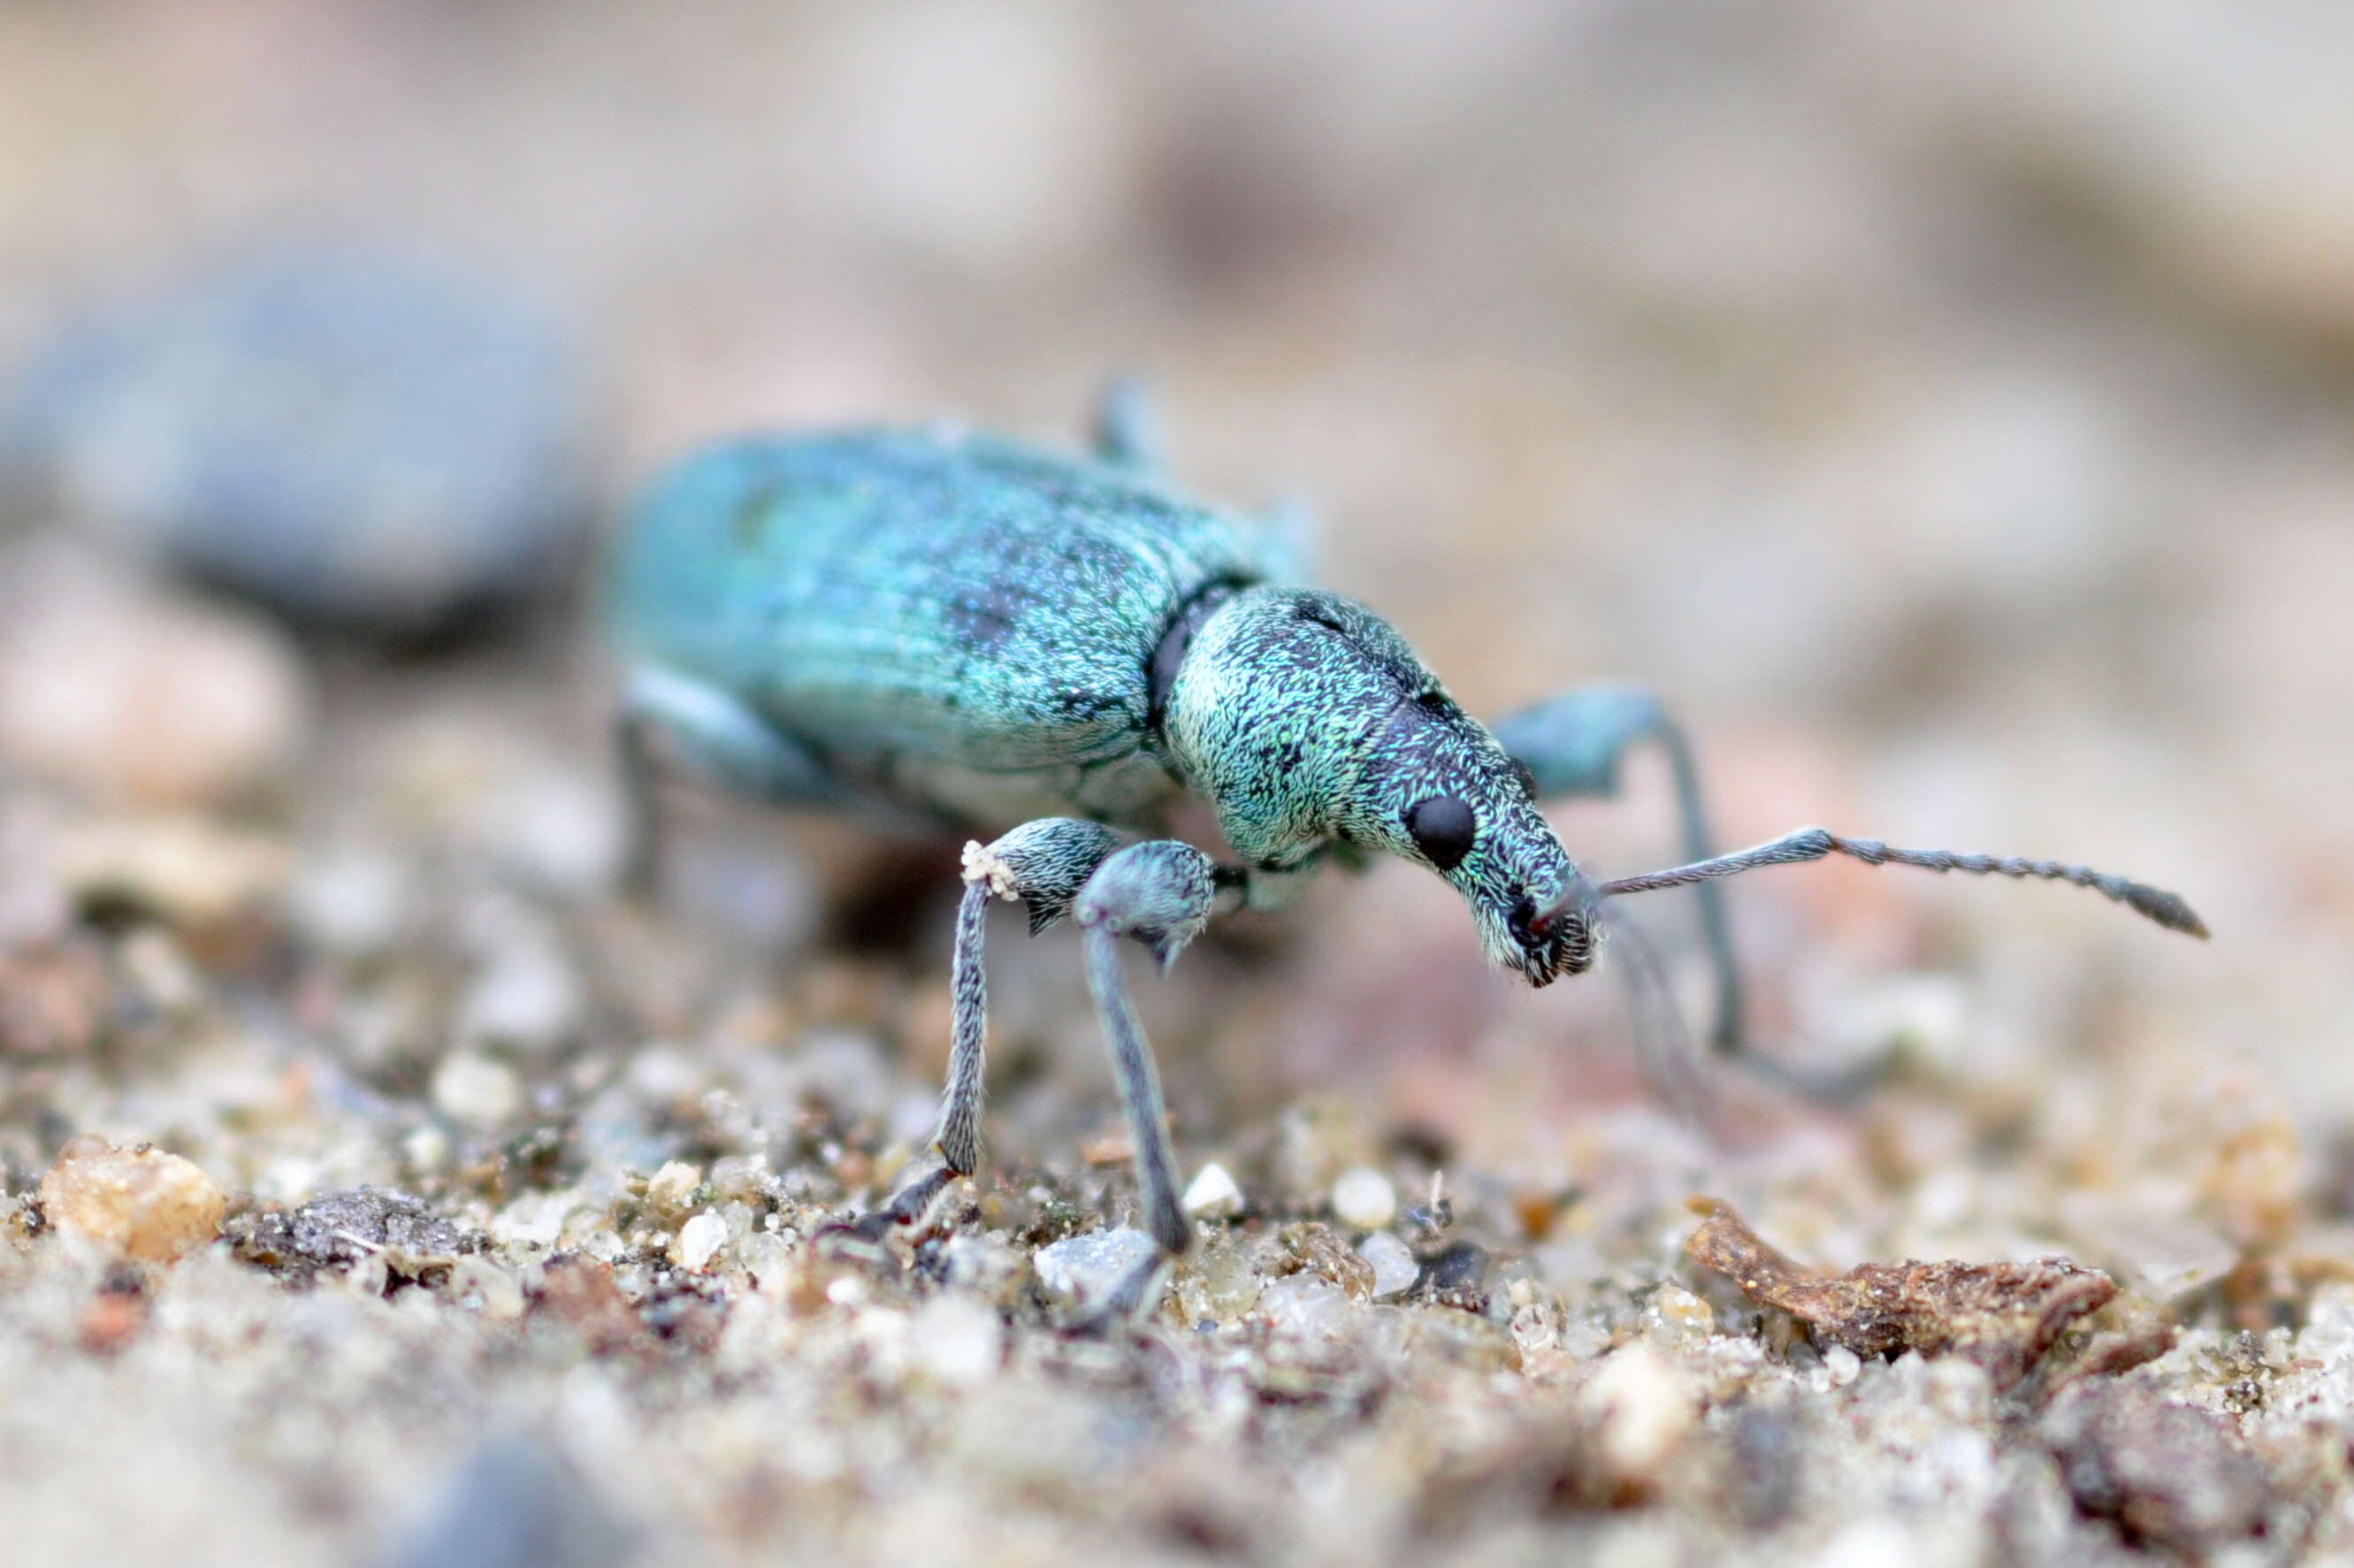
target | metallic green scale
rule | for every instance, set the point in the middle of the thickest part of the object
(958, 623)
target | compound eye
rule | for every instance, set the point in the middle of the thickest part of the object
(1442, 828)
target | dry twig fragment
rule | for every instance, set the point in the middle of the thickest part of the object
(2002, 1316)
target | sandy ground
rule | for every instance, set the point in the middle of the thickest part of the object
(1960, 441)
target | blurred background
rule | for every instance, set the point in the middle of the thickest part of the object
(1950, 414)
(1949, 409)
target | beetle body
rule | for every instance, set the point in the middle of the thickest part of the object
(1058, 649)
(952, 623)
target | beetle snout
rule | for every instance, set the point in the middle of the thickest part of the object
(1553, 942)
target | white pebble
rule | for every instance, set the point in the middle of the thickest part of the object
(673, 1184)
(959, 1339)
(1394, 1265)
(699, 1241)
(476, 1089)
(1364, 1199)
(1843, 1365)
(1214, 1194)
(1643, 1406)
(1305, 1307)
(1089, 1267)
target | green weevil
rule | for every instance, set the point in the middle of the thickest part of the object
(995, 636)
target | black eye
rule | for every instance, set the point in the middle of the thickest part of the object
(1442, 828)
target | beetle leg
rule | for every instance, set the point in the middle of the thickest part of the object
(713, 734)
(1043, 863)
(1289, 533)
(1125, 429)
(1162, 894)
(1572, 743)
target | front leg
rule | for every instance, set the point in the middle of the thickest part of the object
(1043, 863)
(1162, 894)
(1572, 745)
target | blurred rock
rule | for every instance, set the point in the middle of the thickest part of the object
(189, 872)
(476, 1089)
(34, 908)
(1642, 1404)
(141, 1203)
(959, 1339)
(516, 1504)
(351, 901)
(53, 1000)
(129, 692)
(2171, 1476)
(1364, 1199)
(357, 440)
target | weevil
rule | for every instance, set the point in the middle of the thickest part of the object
(1059, 648)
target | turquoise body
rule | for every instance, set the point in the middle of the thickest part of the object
(1004, 638)
(955, 624)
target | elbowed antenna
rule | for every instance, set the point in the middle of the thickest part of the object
(1815, 843)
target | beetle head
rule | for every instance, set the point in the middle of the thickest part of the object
(1436, 788)
(1306, 719)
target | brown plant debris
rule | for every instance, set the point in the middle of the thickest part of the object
(2002, 1316)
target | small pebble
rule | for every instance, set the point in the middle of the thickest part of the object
(1642, 1406)
(1394, 1268)
(339, 1227)
(1306, 1306)
(476, 1089)
(351, 901)
(699, 1241)
(670, 1188)
(1090, 1267)
(141, 1203)
(1678, 1320)
(1219, 1283)
(1214, 1194)
(959, 1339)
(1364, 1199)
(126, 692)
(529, 999)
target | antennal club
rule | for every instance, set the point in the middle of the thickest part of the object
(1817, 843)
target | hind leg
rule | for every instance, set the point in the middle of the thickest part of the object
(713, 735)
